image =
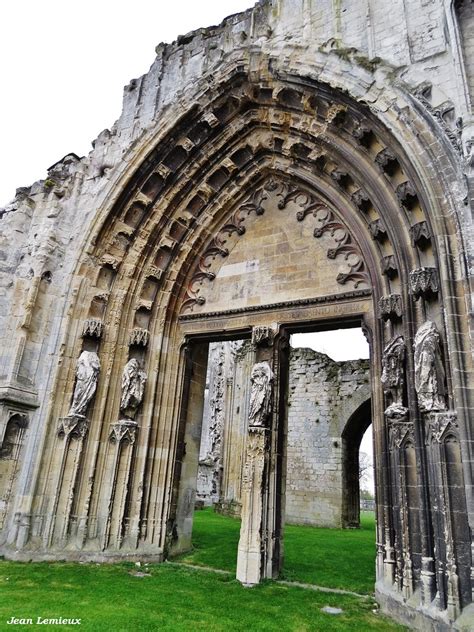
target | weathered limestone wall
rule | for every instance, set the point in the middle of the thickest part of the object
(323, 396)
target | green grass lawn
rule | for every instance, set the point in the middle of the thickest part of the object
(336, 558)
(173, 598)
(176, 597)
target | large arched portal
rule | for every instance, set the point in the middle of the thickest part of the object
(281, 204)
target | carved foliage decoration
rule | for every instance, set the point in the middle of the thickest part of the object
(429, 370)
(217, 247)
(139, 337)
(261, 390)
(133, 387)
(87, 375)
(424, 282)
(390, 307)
(327, 223)
(262, 336)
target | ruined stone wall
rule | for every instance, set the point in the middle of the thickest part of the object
(323, 395)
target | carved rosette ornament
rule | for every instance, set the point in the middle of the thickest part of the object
(390, 307)
(262, 336)
(261, 391)
(133, 387)
(429, 370)
(424, 282)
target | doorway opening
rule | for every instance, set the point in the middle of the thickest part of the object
(212, 446)
(329, 460)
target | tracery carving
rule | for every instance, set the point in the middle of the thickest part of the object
(440, 425)
(75, 426)
(390, 307)
(309, 205)
(133, 387)
(429, 369)
(123, 430)
(400, 432)
(87, 375)
(424, 282)
(261, 390)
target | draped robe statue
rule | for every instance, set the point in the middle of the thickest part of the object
(260, 394)
(393, 373)
(87, 375)
(133, 387)
(429, 370)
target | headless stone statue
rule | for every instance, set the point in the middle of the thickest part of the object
(429, 369)
(260, 394)
(133, 387)
(87, 375)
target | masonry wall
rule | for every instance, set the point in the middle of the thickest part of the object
(323, 396)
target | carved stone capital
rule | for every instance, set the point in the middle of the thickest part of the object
(262, 336)
(74, 426)
(93, 328)
(439, 425)
(123, 430)
(139, 337)
(424, 282)
(390, 307)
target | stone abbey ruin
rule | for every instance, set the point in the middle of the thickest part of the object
(306, 165)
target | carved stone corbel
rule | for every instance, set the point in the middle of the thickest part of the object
(123, 430)
(420, 235)
(139, 337)
(73, 426)
(424, 282)
(262, 336)
(389, 266)
(390, 307)
(93, 328)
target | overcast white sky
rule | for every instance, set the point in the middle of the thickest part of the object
(63, 66)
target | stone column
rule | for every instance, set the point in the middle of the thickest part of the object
(253, 543)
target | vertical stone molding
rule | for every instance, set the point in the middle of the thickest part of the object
(249, 555)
